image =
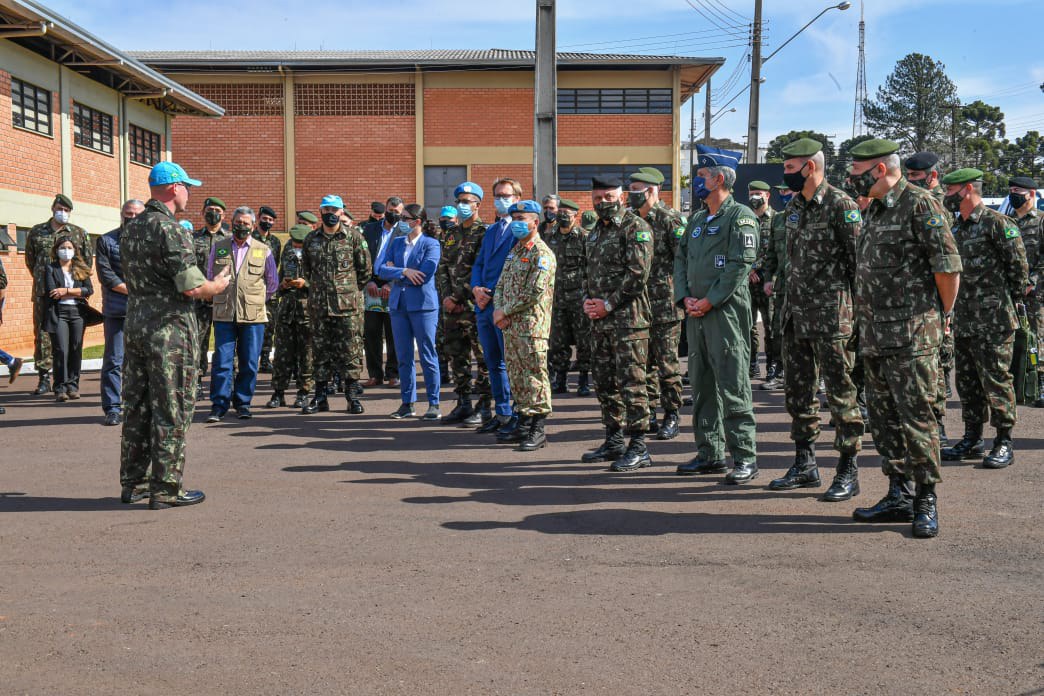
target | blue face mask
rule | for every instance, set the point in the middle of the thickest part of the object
(502, 205)
(519, 229)
(786, 199)
(699, 187)
(404, 226)
(465, 210)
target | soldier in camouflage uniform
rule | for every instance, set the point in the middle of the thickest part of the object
(266, 218)
(293, 339)
(203, 240)
(995, 276)
(619, 257)
(775, 268)
(523, 300)
(822, 226)
(1023, 190)
(569, 325)
(161, 358)
(460, 344)
(336, 264)
(758, 193)
(38, 244)
(663, 373)
(907, 273)
(711, 272)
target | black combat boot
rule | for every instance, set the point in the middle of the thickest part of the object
(559, 387)
(276, 401)
(895, 506)
(44, 385)
(654, 425)
(1039, 403)
(926, 512)
(583, 386)
(970, 446)
(351, 393)
(949, 389)
(944, 441)
(535, 437)
(635, 457)
(755, 369)
(701, 465)
(669, 426)
(613, 448)
(514, 430)
(301, 400)
(846, 480)
(318, 402)
(803, 474)
(742, 472)
(1003, 452)
(199, 389)
(462, 410)
(483, 413)
(266, 364)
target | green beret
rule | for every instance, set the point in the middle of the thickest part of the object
(62, 199)
(802, 147)
(566, 203)
(647, 178)
(781, 187)
(308, 216)
(588, 220)
(873, 149)
(299, 232)
(962, 176)
(653, 172)
(349, 214)
(214, 201)
(758, 186)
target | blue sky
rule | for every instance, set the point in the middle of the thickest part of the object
(992, 55)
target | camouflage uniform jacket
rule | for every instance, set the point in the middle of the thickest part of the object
(715, 254)
(821, 250)
(526, 289)
(273, 243)
(570, 260)
(460, 245)
(668, 226)
(619, 257)
(995, 273)
(1031, 227)
(904, 241)
(293, 302)
(764, 241)
(774, 263)
(159, 266)
(40, 240)
(337, 267)
(203, 241)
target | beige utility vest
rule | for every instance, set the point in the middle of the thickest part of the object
(243, 300)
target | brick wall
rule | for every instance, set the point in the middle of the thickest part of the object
(478, 117)
(96, 175)
(138, 181)
(485, 174)
(614, 130)
(29, 162)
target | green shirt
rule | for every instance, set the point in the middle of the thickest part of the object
(716, 253)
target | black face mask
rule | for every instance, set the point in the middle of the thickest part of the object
(241, 231)
(549, 216)
(392, 218)
(212, 217)
(637, 199)
(564, 220)
(445, 225)
(264, 225)
(607, 210)
(757, 202)
(922, 183)
(1017, 200)
(796, 180)
(331, 219)
(952, 202)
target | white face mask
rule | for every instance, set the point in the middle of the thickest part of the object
(66, 254)
(61, 216)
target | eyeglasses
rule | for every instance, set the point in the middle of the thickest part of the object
(465, 201)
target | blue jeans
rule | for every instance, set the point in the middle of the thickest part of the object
(6, 358)
(112, 366)
(492, 341)
(420, 326)
(243, 340)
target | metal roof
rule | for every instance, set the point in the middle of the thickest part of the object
(42, 31)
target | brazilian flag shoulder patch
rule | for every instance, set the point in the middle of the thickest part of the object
(679, 231)
(643, 236)
(365, 245)
(222, 252)
(853, 216)
(1011, 232)
(934, 221)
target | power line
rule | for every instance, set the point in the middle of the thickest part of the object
(713, 21)
(702, 32)
(732, 11)
(677, 46)
(718, 14)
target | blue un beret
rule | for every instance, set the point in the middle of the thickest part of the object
(469, 187)
(525, 207)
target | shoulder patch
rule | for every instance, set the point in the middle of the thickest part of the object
(543, 264)
(679, 231)
(643, 236)
(222, 252)
(1011, 232)
(748, 240)
(747, 220)
(365, 245)
(853, 216)
(934, 221)
(450, 242)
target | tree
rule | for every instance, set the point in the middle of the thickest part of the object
(981, 144)
(774, 154)
(1025, 157)
(838, 170)
(913, 106)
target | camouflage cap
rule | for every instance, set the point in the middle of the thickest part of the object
(588, 220)
(214, 200)
(307, 216)
(62, 199)
(802, 147)
(757, 185)
(873, 149)
(299, 232)
(566, 203)
(963, 176)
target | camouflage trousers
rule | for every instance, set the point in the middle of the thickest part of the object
(526, 360)
(270, 329)
(293, 354)
(618, 359)
(775, 353)
(41, 339)
(900, 390)
(760, 303)
(663, 380)
(458, 345)
(570, 327)
(945, 357)
(337, 347)
(160, 369)
(205, 320)
(1035, 314)
(984, 380)
(805, 361)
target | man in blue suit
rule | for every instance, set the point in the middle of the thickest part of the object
(496, 245)
(409, 266)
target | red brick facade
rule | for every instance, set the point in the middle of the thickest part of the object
(31, 162)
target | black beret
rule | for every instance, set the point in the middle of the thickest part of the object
(62, 199)
(1022, 182)
(378, 207)
(922, 161)
(608, 182)
(265, 210)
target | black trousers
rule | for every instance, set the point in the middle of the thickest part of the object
(67, 348)
(377, 335)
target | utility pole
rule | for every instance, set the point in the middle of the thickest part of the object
(755, 86)
(545, 123)
(707, 116)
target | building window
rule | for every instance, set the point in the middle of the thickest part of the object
(144, 146)
(615, 101)
(30, 107)
(92, 128)
(577, 177)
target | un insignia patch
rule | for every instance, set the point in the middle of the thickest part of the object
(1011, 232)
(543, 264)
(697, 231)
(643, 236)
(934, 221)
(853, 216)
(719, 261)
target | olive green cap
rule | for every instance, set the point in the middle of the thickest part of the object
(588, 220)
(758, 186)
(647, 178)
(802, 147)
(299, 232)
(566, 203)
(214, 200)
(873, 149)
(63, 200)
(653, 172)
(962, 176)
(781, 187)
(308, 216)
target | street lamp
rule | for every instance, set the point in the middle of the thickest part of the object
(756, 61)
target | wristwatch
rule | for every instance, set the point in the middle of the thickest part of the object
(608, 306)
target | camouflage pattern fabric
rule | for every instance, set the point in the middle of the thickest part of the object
(984, 380)
(1031, 227)
(620, 357)
(760, 303)
(272, 304)
(459, 336)
(202, 242)
(160, 364)
(569, 325)
(293, 339)
(663, 373)
(775, 268)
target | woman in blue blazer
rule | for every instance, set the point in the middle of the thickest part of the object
(410, 264)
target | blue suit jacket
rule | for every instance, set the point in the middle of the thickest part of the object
(489, 261)
(405, 296)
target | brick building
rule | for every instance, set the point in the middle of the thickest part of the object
(81, 118)
(369, 124)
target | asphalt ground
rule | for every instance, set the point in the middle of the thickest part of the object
(361, 555)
